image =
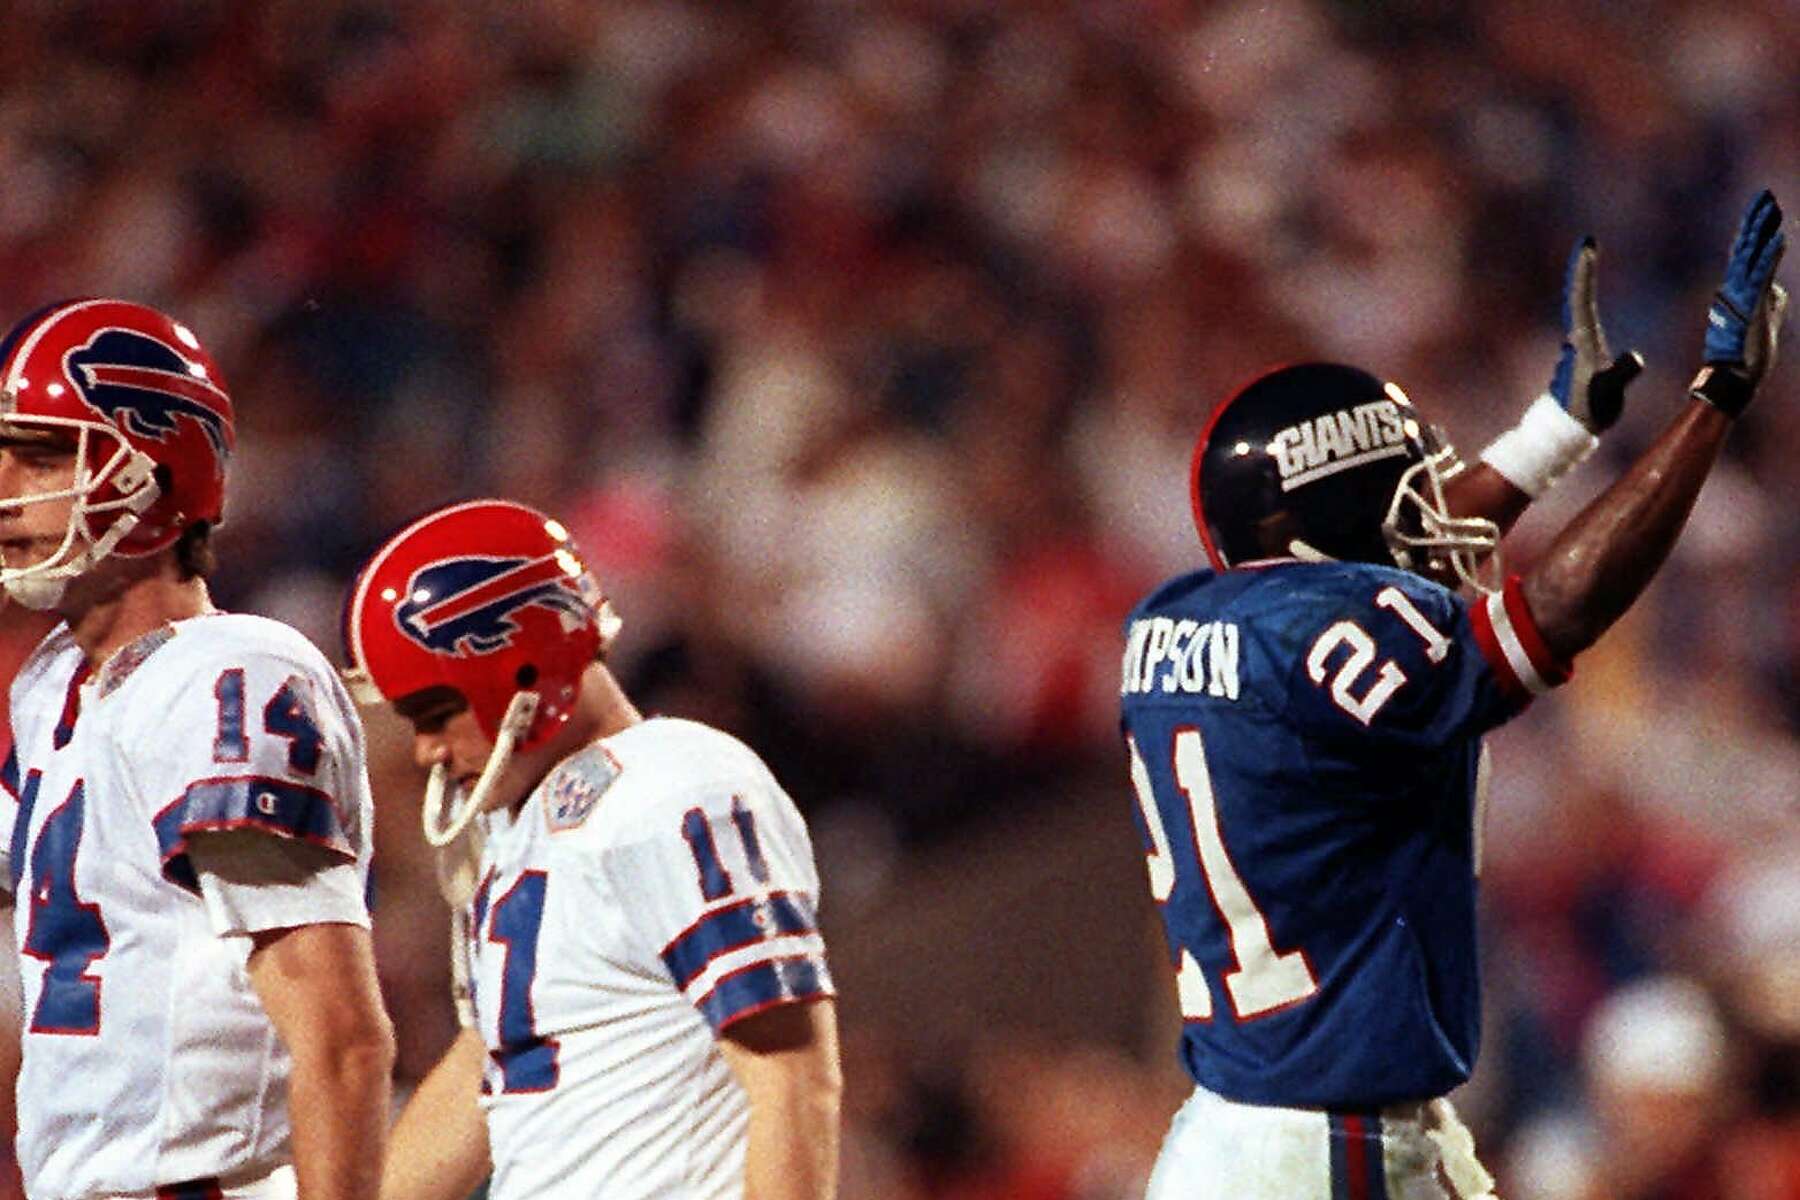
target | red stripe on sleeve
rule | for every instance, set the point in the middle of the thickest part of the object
(1552, 669)
(1489, 644)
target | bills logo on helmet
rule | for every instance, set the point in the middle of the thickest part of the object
(144, 386)
(464, 606)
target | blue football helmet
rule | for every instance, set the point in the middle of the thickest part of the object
(1322, 462)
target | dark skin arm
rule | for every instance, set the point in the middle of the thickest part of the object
(1481, 491)
(1603, 559)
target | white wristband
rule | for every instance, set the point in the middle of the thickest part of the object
(1541, 448)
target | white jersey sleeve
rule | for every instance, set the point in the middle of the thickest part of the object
(725, 889)
(252, 882)
(284, 757)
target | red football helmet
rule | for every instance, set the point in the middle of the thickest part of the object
(491, 599)
(487, 597)
(152, 422)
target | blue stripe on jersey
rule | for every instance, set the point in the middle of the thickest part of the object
(1357, 1169)
(742, 924)
(248, 802)
(21, 832)
(479, 905)
(763, 985)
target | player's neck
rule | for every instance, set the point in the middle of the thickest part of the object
(107, 615)
(602, 710)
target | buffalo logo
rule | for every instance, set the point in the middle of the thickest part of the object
(144, 386)
(464, 606)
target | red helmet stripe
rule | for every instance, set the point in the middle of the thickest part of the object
(1212, 552)
(519, 578)
(188, 387)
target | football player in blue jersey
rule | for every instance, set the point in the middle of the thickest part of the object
(1304, 725)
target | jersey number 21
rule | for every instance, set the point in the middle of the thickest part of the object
(1265, 979)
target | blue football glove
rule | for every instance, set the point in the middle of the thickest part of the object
(1589, 383)
(1744, 322)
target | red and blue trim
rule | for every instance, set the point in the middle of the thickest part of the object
(719, 932)
(1357, 1169)
(764, 985)
(71, 709)
(273, 806)
(20, 846)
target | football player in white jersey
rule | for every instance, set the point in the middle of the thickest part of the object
(186, 810)
(651, 1013)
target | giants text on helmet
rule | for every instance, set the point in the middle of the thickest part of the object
(1331, 442)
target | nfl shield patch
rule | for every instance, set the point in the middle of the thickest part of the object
(573, 791)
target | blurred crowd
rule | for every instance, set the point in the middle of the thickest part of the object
(862, 343)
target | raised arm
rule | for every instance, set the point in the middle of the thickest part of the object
(1585, 398)
(1603, 559)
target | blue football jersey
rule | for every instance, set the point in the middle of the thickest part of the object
(1305, 745)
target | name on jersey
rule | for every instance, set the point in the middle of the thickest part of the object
(1195, 657)
(1349, 437)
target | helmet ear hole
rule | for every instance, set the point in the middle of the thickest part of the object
(526, 676)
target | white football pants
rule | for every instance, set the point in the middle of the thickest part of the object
(1218, 1149)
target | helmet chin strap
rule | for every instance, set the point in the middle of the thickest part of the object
(440, 832)
(43, 590)
(41, 585)
(39, 593)
(459, 867)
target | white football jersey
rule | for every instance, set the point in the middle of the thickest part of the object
(656, 886)
(148, 1059)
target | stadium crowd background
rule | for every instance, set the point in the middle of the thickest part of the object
(863, 343)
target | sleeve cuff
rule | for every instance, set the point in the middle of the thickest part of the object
(332, 896)
(748, 956)
(269, 806)
(1510, 641)
(765, 985)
